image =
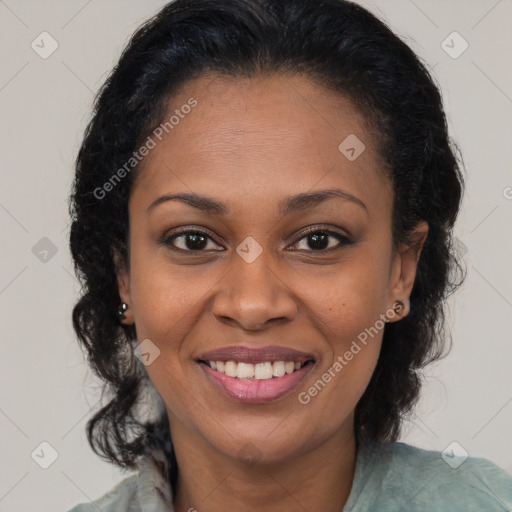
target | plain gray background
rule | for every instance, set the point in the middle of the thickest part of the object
(46, 390)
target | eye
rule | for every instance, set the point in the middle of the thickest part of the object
(189, 240)
(317, 239)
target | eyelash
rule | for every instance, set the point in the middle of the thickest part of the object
(342, 239)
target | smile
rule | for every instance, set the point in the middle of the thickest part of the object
(255, 375)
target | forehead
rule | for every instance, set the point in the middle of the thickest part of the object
(262, 136)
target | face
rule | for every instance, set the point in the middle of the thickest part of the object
(252, 268)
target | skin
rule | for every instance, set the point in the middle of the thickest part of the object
(250, 143)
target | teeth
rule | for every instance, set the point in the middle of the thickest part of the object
(258, 371)
(230, 368)
(263, 371)
(278, 369)
(245, 371)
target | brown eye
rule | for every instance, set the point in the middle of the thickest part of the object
(190, 241)
(322, 240)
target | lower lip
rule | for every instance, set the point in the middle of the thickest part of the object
(257, 391)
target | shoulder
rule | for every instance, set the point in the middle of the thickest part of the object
(148, 489)
(404, 477)
(119, 499)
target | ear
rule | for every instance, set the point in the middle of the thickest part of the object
(123, 285)
(403, 271)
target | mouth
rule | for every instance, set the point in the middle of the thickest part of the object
(256, 375)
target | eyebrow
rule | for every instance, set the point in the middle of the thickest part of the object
(299, 202)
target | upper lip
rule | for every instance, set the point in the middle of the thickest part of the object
(255, 355)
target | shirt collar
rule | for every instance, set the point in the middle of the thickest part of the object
(154, 492)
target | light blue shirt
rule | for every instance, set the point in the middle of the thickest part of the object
(388, 478)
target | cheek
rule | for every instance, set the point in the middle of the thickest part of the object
(347, 299)
(167, 305)
(347, 307)
(166, 298)
(352, 341)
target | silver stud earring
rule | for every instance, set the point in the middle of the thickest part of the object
(122, 310)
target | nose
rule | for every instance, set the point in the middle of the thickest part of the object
(254, 295)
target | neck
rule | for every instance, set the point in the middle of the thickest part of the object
(318, 480)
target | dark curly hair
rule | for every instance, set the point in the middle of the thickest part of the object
(341, 46)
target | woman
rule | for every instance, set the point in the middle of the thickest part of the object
(262, 220)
